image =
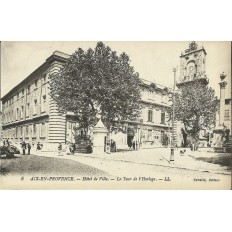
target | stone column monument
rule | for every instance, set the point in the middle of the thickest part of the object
(99, 133)
(219, 129)
(222, 99)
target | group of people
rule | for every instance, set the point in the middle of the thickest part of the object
(133, 145)
(69, 149)
(6, 142)
(27, 146)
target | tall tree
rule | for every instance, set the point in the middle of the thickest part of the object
(97, 83)
(195, 106)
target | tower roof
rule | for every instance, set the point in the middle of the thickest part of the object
(193, 47)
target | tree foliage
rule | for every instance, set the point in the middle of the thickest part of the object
(195, 106)
(97, 83)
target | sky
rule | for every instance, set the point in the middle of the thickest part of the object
(154, 61)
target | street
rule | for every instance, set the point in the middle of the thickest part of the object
(24, 165)
(135, 169)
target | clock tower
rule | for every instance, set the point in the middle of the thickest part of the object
(192, 65)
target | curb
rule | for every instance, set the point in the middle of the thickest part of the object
(159, 165)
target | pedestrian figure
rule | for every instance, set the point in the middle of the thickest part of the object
(67, 149)
(133, 145)
(113, 146)
(74, 147)
(8, 142)
(71, 148)
(59, 149)
(38, 147)
(24, 146)
(137, 145)
(89, 148)
(29, 148)
(130, 144)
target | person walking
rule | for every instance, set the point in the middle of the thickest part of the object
(7, 142)
(67, 150)
(134, 145)
(73, 148)
(59, 149)
(24, 146)
(29, 148)
(38, 147)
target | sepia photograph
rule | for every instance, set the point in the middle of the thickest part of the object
(115, 115)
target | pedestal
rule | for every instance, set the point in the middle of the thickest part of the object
(217, 137)
(99, 134)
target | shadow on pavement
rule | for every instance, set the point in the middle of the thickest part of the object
(9, 158)
(221, 159)
(4, 171)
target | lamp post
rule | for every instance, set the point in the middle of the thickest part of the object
(173, 118)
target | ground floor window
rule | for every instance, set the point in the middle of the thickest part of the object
(162, 117)
(150, 115)
(27, 131)
(43, 129)
(149, 135)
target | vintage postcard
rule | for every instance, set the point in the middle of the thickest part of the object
(115, 115)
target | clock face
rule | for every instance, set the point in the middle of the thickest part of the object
(191, 69)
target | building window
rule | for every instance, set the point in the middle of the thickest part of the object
(28, 108)
(16, 132)
(227, 115)
(17, 113)
(43, 130)
(22, 112)
(21, 131)
(163, 98)
(150, 94)
(36, 84)
(43, 107)
(149, 135)
(35, 107)
(28, 88)
(44, 78)
(162, 136)
(162, 117)
(34, 130)
(27, 131)
(6, 118)
(150, 115)
(23, 92)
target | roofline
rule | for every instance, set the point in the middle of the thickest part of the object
(153, 83)
(183, 54)
(49, 60)
(62, 57)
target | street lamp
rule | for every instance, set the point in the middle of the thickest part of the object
(173, 118)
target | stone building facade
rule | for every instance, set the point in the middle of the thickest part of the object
(30, 114)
